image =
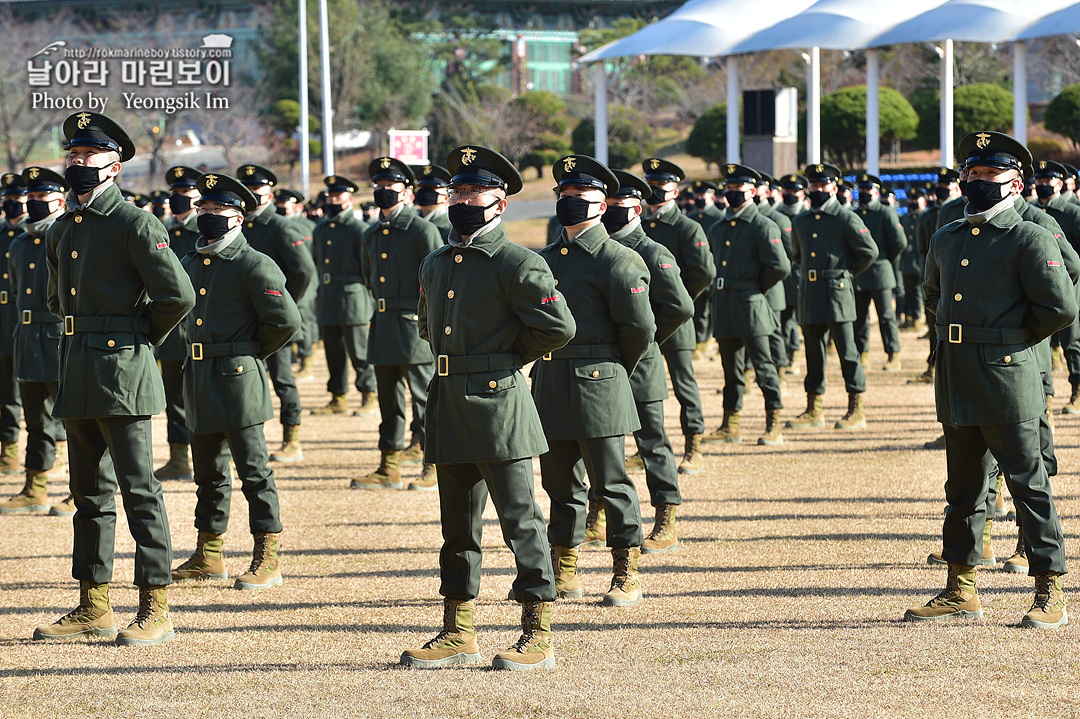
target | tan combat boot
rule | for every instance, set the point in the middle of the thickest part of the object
(64, 509)
(455, 644)
(369, 405)
(938, 443)
(152, 624)
(60, 458)
(1050, 412)
(892, 362)
(958, 600)
(92, 618)
(1057, 359)
(926, 377)
(814, 416)
(33, 498)
(305, 367)
(413, 453)
(792, 369)
(338, 404)
(693, 460)
(662, 538)
(1018, 562)
(533, 649)
(988, 557)
(1048, 610)
(855, 418)
(728, 431)
(428, 481)
(699, 351)
(864, 360)
(773, 434)
(206, 562)
(290, 450)
(564, 562)
(9, 458)
(387, 475)
(1073, 406)
(625, 588)
(265, 569)
(595, 525)
(635, 461)
(178, 466)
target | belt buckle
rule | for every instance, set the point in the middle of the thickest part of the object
(443, 365)
(27, 315)
(382, 308)
(719, 283)
(811, 275)
(3, 297)
(196, 351)
(326, 278)
(547, 357)
(69, 325)
(956, 334)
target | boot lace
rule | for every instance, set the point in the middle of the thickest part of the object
(621, 566)
(530, 620)
(660, 526)
(593, 514)
(1043, 592)
(259, 555)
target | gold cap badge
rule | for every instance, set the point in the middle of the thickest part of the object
(34, 172)
(569, 164)
(384, 163)
(731, 169)
(983, 141)
(178, 172)
(84, 120)
(654, 163)
(211, 180)
(468, 156)
(249, 170)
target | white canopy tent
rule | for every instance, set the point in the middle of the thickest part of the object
(1062, 22)
(700, 28)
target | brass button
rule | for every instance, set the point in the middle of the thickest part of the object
(817, 217)
(78, 219)
(206, 261)
(556, 282)
(74, 254)
(239, 369)
(457, 258)
(382, 279)
(958, 297)
(1008, 358)
(202, 290)
(250, 224)
(199, 321)
(493, 384)
(814, 235)
(813, 254)
(727, 243)
(841, 285)
(329, 242)
(386, 231)
(326, 261)
(332, 226)
(111, 343)
(37, 241)
(974, 230)
(450, 294)
(177, 233)
(652, 224)
(964, 262)
(733, 223)
(383, 255)
(724, 263)
(563, 251)
(596, 373)
(32, 266)
(447, 330)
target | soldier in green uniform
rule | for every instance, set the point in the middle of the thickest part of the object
(14, 194)
(997, 286)
(750, 258)
(37, 337)
(705, 213)
(1071, 189)
(877, 283)
(171, 353)
(290, 205)
(792, 202)
(953, 208)
(432, 198)
(831, 245)
(344, 305)
(283, 241)
(487, 307)
(911, 261)
(582, 391)
(684, 239)
(159, 205)
(242, 315)
(120, 291)
(671, 306)
(552, 231)
(390, 258)
(776, 294)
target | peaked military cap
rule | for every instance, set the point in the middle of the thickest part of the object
(482, 166)
(338, 183)
(915, 193)
(431, 175)
(226, 190)
(89, 129)
(658, 170)
(995, 149)
(390, 168)
(181, 177)
(584, 171)
(254, 176)
(794, 181)
(42, 179)
(159, 196)
(824, 172)
(738, 174)
(764, 178)
(1045, 169)
(140, 199)
(13, 184)
(947, 175)
(631, 185)
(1070, 171)
(703, 186)
(285, 194)
(128, 195)
(867, 180)
(321, 197)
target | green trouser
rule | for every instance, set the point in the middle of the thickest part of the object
(737, 354)
(463, 493)
(210, 461)
(562, 470)
(685, 388)
(661, 469)
(970, 458)
(816, 342)
(391, 379)
(172, 376)
(127, 441)
(279, 367)
(345, 344)
(43, 430)
(10, 404)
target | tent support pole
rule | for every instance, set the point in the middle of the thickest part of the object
(733, 154)
(600, 110)
(1020, 92)
(873, 125)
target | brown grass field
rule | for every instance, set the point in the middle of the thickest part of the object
(784, 600)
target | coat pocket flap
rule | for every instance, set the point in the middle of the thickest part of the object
(490, 382)
(111, 341)
(236, 365)
(594, 370)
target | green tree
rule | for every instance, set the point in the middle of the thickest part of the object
(982, 106)
(927, 104)
(843, 123)
(630, 139)
(1063, 114)
(708, 137)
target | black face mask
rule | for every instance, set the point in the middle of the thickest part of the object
(616, 218)
(913, 206)
(963, 187)
(574, 210)
(818, 197)
(280, 209)
(771, 200)
(37, 209)
(756, 199)
(159, 210)
(427, 196)
(983, 194)
(213, 226)
(842, 199)
(467, 219)
(790, 199)
(385, 198)
(865, 198)
(699, 202)
(720, 202)
(179, 204)
(332, 209)
(735, 198)
(83, 179)
(942, 193)
(657, 197)
(1045, 192)
(13, 210)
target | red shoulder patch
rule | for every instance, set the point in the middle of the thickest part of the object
(637, 290)
(774, 242)
(700, 244)
(549, 300)
(1053, 263)
(297, 244)
(666, 265)
(863, 230)
(162, 245)
(275, 293)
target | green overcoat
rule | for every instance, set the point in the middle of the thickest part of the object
(888, 234)
(37, 335)
(343, 296)
(8, 314)
(182, 236)
(283, 241)
(777, 294)
(911, 262)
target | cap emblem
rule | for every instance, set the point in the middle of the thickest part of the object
(569, 164)
(178, 172)
(820, 168)
(384, 163)
(34, 172)
(983, 141)
(468, 156)
(427, 170)
(249, 170)
(731, 169)
(654, 163)
(211, 180)
(84, 120)
(332, 180)
(1042, 164)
